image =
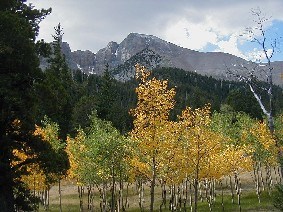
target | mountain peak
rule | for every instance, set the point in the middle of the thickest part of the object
(153, 51)
(144, 36)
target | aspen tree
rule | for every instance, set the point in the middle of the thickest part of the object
(155, 100)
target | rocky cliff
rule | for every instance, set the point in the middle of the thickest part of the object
(152, 52)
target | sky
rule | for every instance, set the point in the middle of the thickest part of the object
(207, 25)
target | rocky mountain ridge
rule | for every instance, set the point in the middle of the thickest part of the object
(152, 52)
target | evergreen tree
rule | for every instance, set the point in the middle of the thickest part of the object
(106, 95)
(242, 100)
(81, 112)
(56, 91)
(19, 69)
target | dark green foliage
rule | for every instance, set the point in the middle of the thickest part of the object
(105, 95)
(56, 93)
(243, 100)
(193, 89)
(82, 110)
(113, 100)
(24, 199)
(196, 90)
(18, 72)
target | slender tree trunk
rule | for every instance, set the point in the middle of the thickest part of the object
(196, 194)
(231, 188)
(222, 200)
(121, 195)
(141, 193)
(60, 195)
(172, 203)
(152, 185)
(113, 189)
(80, 192)
(104, 197)
(163, 195)
(191, 197)
(185, 194)
(48, 198)
(238, 190)
(257, 181)
(126, 205)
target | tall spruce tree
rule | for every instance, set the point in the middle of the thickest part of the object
(106, 95)
(19, 69)
(56, 90)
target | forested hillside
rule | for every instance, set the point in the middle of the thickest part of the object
(113, 99)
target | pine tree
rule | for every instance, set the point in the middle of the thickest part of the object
(56, 91)
(106, 95)
(19, 25)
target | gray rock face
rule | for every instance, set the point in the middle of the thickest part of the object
(154, 52)
(84, 60)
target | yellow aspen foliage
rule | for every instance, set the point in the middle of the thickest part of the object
(234, 159)
(169, 161)
(36, 180)
(19, 157)
(74, 149)
(199, 143)
(208, 154)
(155, 100)
(261, 143)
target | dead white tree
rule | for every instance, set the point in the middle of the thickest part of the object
(258, 76)
(261, 71)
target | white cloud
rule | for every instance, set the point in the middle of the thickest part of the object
(198, 36)
(257, 55)
(231, 46)
(190, 35)
(91, 24)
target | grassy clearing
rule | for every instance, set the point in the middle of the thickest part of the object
(249, 201)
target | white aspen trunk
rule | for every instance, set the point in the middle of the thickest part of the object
(179, 198)
(261, 177)
(186, 194)
(126, 200)
(171, 202)
(191, 197)
(222, 201)
(200, 192)
(80, 192)
(231, 187)
(152, 185)
(60, 195)
(257, 181)
(163, 196)
(238, 190)
(141, 200)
